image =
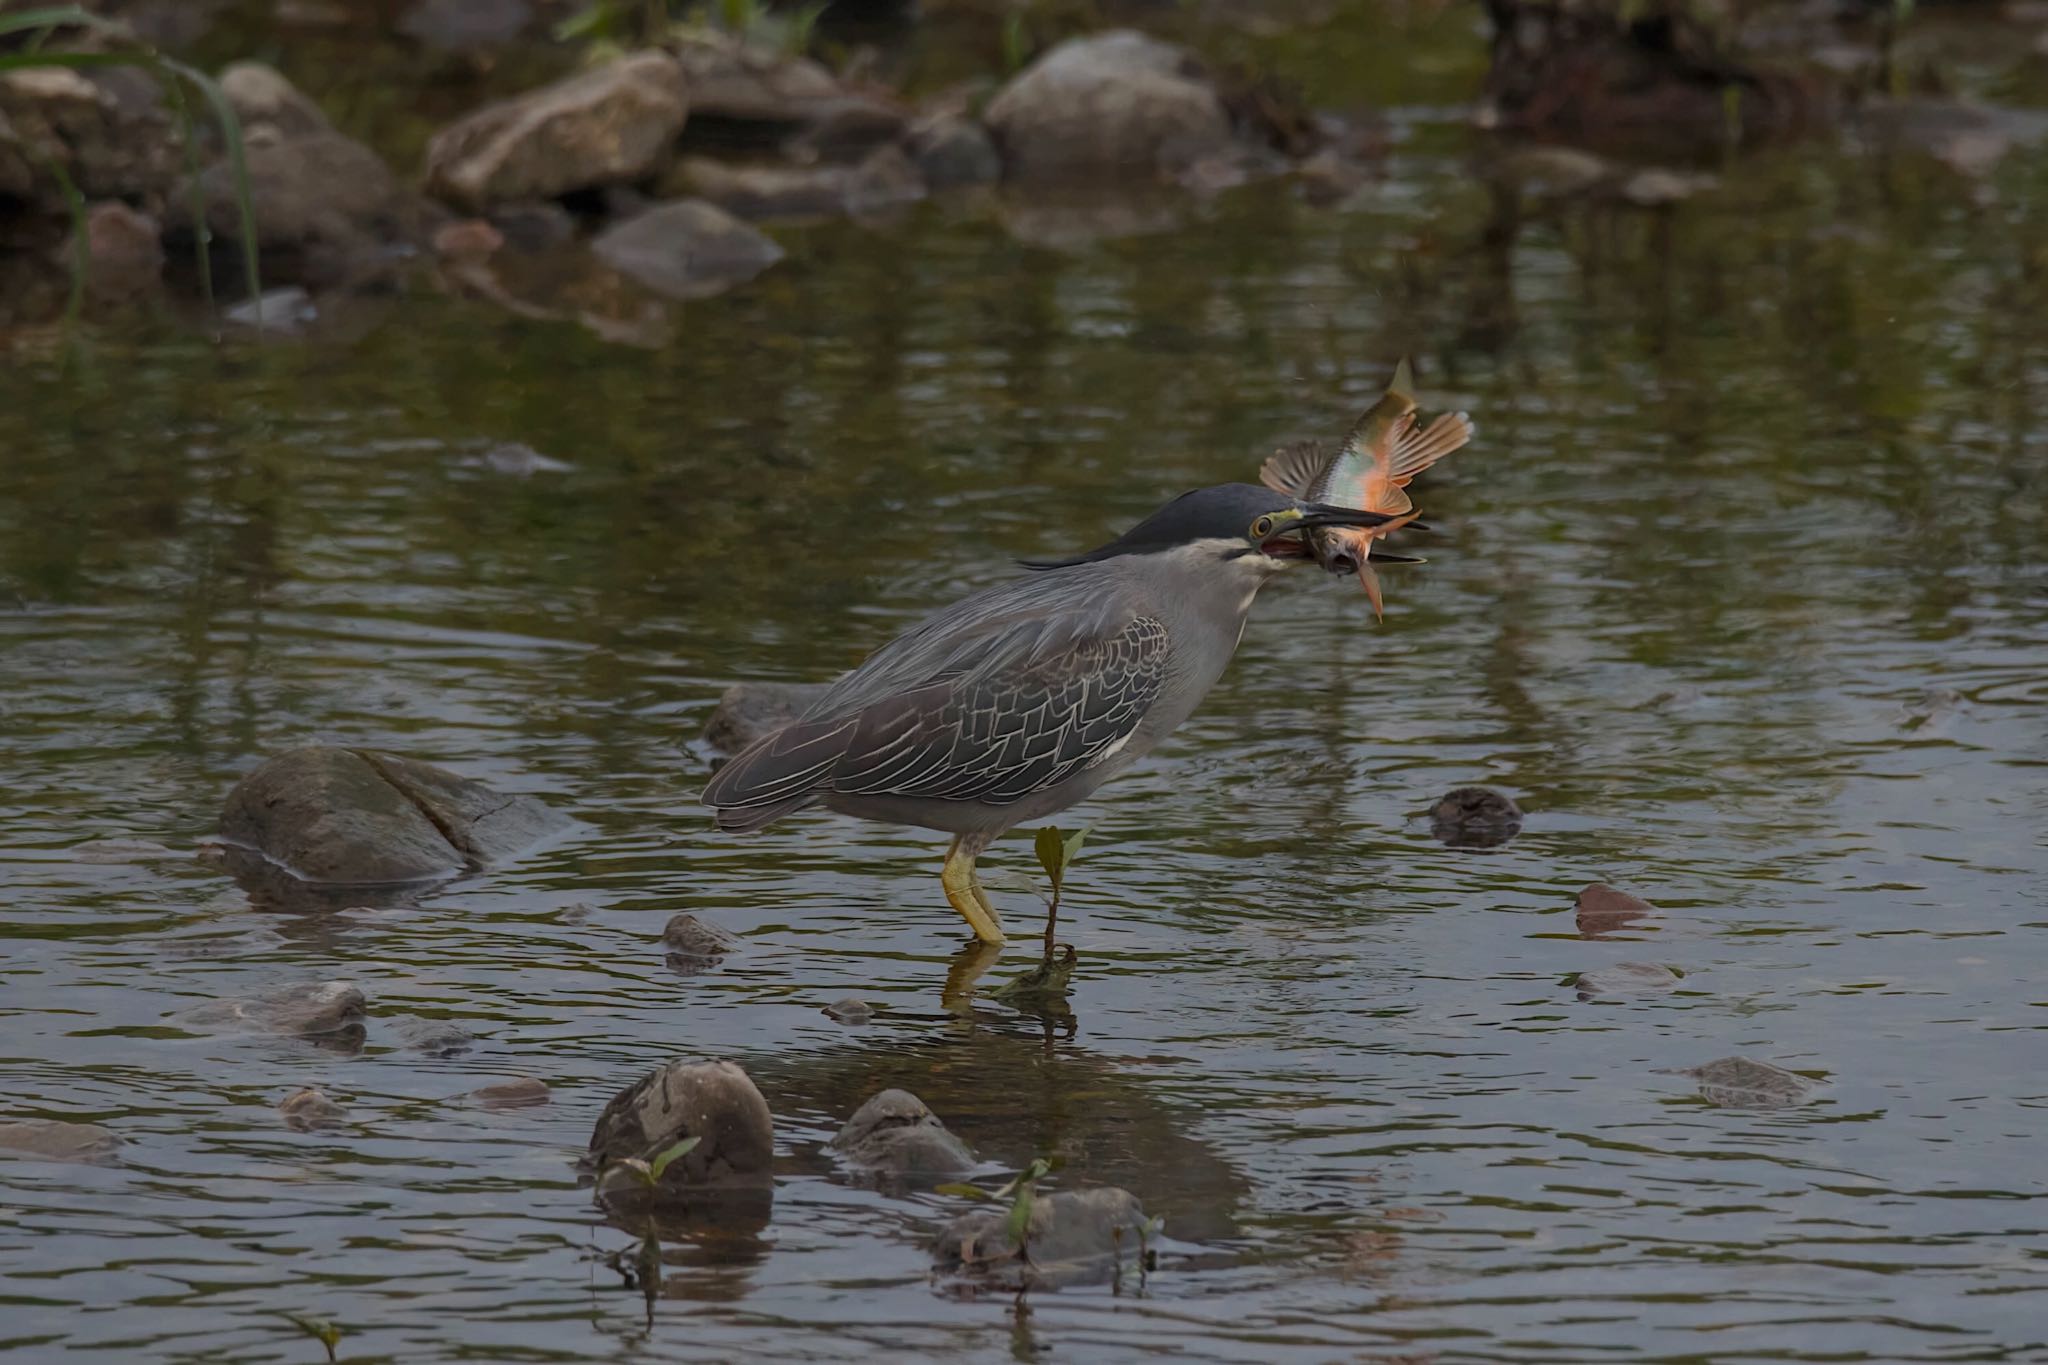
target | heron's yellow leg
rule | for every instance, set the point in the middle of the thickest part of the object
(963, 890)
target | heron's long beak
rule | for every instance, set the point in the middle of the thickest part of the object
(1327, 514)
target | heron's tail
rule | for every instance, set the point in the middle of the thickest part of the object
(778, 774)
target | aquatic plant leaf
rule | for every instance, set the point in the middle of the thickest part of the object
(662, 1159)
(965, 1191)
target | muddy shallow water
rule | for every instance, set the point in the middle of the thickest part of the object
(1740, 593)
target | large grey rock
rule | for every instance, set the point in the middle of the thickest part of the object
(749, 711)
(1109, 104)
(716, 1102)
(602, 127)
(895, 1134)
(687, 249)
(264, 100)
(320, 202)
(305, 1009)
(55, 1140)
(1074, 1237)
(358, 816)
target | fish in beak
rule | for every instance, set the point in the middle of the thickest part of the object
(1386, 449)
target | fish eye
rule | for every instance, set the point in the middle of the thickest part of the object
(1262, 528)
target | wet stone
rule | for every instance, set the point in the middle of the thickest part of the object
(467, 239)
(693, 944)
(306, 1009)
(850, 1011)
(55, 1140)
(749, 711)
(895, 1134)
(715, 1102)
(1626, 978)
(1074, 1237)
(307, 1109)
(523, 1092)
(1602, 909)
(1743, 1083)
(1475, 817)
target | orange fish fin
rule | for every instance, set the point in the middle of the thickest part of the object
(1294, 469)
(1415, 451)
(1370, 581)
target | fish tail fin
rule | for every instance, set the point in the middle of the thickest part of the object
(1416, 450)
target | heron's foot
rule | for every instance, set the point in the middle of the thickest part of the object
(1049, 981)
(964, 893)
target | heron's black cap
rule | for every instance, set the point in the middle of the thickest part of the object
(1225, 512)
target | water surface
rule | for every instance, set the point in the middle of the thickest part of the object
(1740, 593)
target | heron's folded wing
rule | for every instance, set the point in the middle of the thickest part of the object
(1022, 709)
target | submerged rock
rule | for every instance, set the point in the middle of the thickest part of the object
(358, 816)
(895, 1134)
(687, 249)
(694, 945)
(1074, 1237)
(119, 851)
(1110, 104)
(1626, 978)
(523, 1092)
(434, 1037)
(850, 1011)
(715, 1102)
(1475, 817)
(287, 311)
(750, 711)
(1742, 1083)
(306, 1109)
(1602, 909)
(306, 1009)
(56, 1140)
(601, 127)
(759, 191)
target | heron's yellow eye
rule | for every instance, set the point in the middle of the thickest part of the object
(1262, 528)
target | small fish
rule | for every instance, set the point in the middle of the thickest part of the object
(1370, 470)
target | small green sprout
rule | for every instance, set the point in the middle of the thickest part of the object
(321, 1330)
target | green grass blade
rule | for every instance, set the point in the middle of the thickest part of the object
(238, 163)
